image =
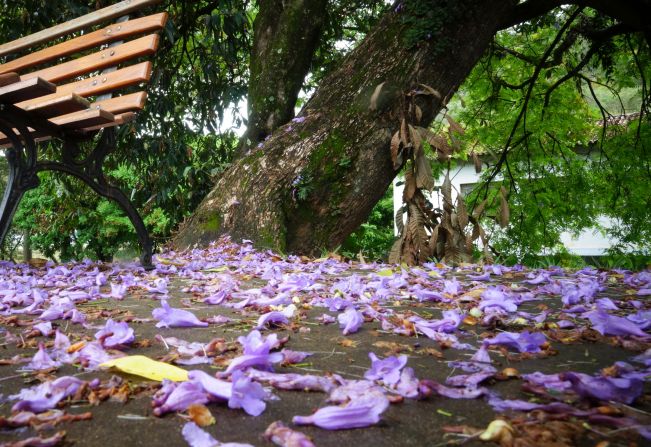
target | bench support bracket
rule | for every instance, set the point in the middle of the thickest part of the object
(24, 167)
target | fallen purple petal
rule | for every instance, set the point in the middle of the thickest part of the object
(170, 317)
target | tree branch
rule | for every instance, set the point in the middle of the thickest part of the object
(522, 116)
(631, 12)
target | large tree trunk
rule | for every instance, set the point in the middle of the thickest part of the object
(286, 33)
(314, 182)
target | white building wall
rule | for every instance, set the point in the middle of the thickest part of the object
(589, 242)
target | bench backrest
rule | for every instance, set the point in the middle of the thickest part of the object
(68, 81)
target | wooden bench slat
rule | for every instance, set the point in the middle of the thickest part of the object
(27, 89)
(118, 31)
(118, 121)
(98, 85)
(85, 118)
(8, 78)
(61, 105)
(120, 104)
(102, 59)
(94, 18)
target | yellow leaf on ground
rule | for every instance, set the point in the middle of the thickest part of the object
(142, 366)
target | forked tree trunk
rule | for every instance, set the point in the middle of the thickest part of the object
(286, 33)
(314, 182)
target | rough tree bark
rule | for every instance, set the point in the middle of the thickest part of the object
(286, 33)
(314, 182)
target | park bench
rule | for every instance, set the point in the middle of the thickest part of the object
(75, 90)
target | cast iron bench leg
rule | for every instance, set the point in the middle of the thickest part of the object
(22, 175)
(90, 172)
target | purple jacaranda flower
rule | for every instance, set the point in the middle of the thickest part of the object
(44, 328)
(585, 291)
(276, 317)
(385, 370)
(522, 342)
(247, 395)
(565, 324)
(283, 436)
(185, 348)
(42, 360)
(40, 441)
(217, 298)
(578, 309)
(628, 371)
(356, 390)
(408, 385)
(481, 355)
(449, 323)
(549, 381)
(182, 396)
(354, 414)
(486, 276)
(160, 286)
(76, 317)
(423, 294)
(644, 358)
(57, 309)
(256, 353)
(171, 317)
(350, 320)
(115, 334)
(255, 343)
(298, 382)
(538, 279)
(216, 388)
(604, 388)
(326, 319)
(607, 324)
(606, 304)
(452, 393)
(503, 405)
(494, 298)
(336, 304)
(61, 341)
(468, 380)
(292, 357)
(92, 355)
(118, 291)
(197, 437)
(642, 319)
(452, 287)
(45, 396)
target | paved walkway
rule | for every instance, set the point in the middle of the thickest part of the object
(576, 323)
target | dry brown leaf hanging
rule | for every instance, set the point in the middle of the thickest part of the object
(396, 156)
(462, 213)
(454, 126)
(424, 176)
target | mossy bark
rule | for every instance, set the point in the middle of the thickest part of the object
(314, 182)
(286, 33)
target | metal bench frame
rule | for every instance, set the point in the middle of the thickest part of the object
(23, 129)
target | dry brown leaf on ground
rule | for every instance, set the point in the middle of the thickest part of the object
(200, 415)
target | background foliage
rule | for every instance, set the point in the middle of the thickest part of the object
(536, 122)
